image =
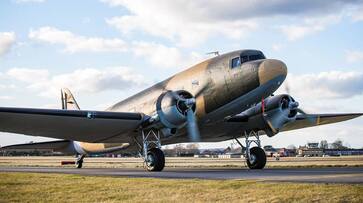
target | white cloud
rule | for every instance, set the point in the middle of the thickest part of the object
(309, 27)
(7, 86)
(325, 85)
(81, 80)
(164, 57)
(157, 54)
(76, 43)
(354, 56)
(358, 16)
(7, 39)
(185, 22)
(6, 97)
(356, 13)
(28, 75)
(189, 22)
(232, 9)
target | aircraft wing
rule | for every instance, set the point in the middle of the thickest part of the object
(79, 125)
(58, 145)
(311, 120)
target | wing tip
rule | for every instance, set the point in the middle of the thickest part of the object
(355, 115)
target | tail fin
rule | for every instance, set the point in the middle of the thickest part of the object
(68, 101)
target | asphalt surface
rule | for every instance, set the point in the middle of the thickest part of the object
(310, 175)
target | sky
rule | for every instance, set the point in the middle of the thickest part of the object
(108, 50)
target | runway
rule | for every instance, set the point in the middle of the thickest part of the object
(309, 175)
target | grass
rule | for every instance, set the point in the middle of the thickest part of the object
(32, 187)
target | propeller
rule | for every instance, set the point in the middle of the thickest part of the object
(187, 105)
(287, 89)
(192, 125)
(299, 110)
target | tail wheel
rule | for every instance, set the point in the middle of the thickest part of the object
(257, 159)
(155, 160)
(79, 164)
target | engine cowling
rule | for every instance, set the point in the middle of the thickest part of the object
(272, 114)
(172, 108)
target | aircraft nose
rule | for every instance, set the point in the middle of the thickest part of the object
(270, 69)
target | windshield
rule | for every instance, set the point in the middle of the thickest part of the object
(257, 55)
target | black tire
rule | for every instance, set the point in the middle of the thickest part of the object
(155, 160)
(258, 158)
(79, 164)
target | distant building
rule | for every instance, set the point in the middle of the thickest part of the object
(313, 145)
(230, 156)
(214, 151)
(311, 149)
(284, 152)
(343, 152)
(269, 150)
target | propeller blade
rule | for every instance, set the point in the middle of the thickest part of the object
(301, 111)
(193, 131)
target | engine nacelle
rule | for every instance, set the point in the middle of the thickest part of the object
(272, 114)
(171, 108)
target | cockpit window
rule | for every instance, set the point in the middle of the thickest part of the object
(244, 58)
(235, 62)
(255, 57)
(251, 57)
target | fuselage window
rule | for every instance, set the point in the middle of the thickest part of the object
(236, 62)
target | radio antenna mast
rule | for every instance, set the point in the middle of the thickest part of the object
(215, 53)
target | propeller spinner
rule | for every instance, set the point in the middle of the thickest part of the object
(175, 110)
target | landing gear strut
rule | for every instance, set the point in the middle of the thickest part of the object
(150, 151)
(79, 161)
(255, 156)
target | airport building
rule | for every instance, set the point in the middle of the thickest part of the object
(278, 152)
(310, 150)
(269, 150)
(343, 152)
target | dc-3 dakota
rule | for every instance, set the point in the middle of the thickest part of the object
(230, 96)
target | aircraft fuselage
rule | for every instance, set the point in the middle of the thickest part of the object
(222, 90)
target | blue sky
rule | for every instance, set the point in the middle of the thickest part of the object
(105, 51)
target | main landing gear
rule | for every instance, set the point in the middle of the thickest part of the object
(255, 156)
(150, 151)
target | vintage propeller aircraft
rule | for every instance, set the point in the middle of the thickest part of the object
(226, 97)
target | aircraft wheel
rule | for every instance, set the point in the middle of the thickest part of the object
(155, 160)
(257, 159)
(79, 164)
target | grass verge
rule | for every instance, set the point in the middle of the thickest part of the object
(33, 187)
